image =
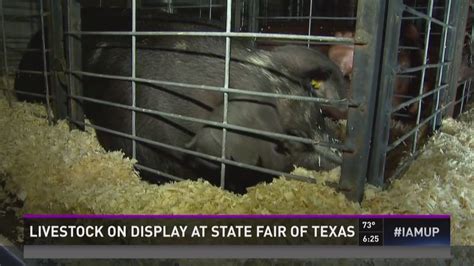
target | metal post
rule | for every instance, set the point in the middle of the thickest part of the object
(5, 73)
(170, 7)
(76, 112)
(4, 41)
(423, 73)
(384, 100)
(210, 9)
(469, 91)
(49, 112)
(442, 72)
(471, 44)
(134, 85)
(226, 86)
(237, 15)
(463, 96)
(310, 21)
(56, 59)
(200, 8)
(367, 60)
(461, 9)
(253, 14)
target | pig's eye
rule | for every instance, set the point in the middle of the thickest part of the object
(316, 85)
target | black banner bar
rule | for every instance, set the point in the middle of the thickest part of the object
(298, 230)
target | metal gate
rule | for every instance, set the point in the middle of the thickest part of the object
(368, 141)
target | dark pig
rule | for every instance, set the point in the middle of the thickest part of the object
(317, 73)
(200, 61)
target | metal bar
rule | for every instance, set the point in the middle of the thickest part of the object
(468, 96)
(323, 101)
(401, 47)
(425, 7)
(462, 97)
(471, 43)
(34, 72)
(459, 18)
(150, 142)
(432, 33)
(305, 18)
(428, 17)
(450, 46)
(298, 8)
(462, 82)
(22, 50)
(404, 164)
(56, 58)
(264, 9)
(215, 124)
(405, 76)
(4, 40)
(14, 37)
(226, 87)
(341, 40)
(6, 90)
(185, 6)
(417, 127)
(367, 59)
(134, 74)
(253, 14)
(233, 163)
(76, 111)
(200, 8)
(418, 98)
(158, 172)
(423, 73)
(237, 14)
(170, 7)
(384, 100)
(197, 154)
(469, 92)
(38, 95)
(210, 9)
(456, 103)
(49, 111)
(441, 75)
(310, 20)
(11, 40)
(423, 67)
(26, 17)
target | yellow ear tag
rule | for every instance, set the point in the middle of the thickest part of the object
(315, 84)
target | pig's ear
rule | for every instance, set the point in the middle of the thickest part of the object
(240, 146)
(300, 61)
(312, 69)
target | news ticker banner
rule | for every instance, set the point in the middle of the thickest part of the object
(244, 231)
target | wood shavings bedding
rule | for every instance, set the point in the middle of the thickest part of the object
(55, 170)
